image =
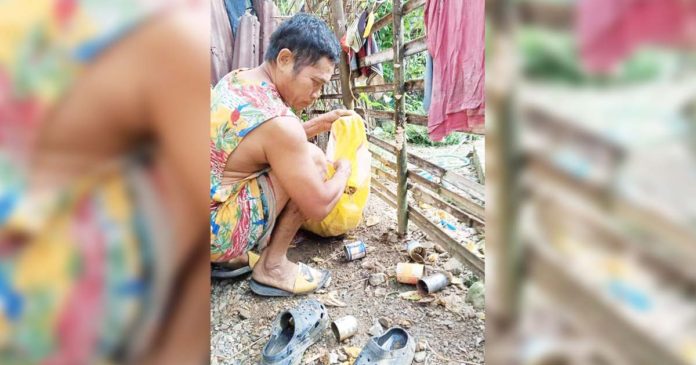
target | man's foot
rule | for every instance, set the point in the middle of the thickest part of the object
(279, 274)
(283, 277)
(235, 263)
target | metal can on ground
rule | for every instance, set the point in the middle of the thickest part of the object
(416, 251)
(408, 273)
(355, 250)
(344, 327)
(432, 283)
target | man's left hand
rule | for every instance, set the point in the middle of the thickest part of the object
(327, 119)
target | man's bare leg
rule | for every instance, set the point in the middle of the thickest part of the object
(274, 268)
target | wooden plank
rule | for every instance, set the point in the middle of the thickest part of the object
(411, 118)
(383, 161)
(382, 144)
(470, 187)
(399, 50)
(410, 48)
(549, 122)
(594, 312)
(383, 174)
(556, 16)
(466, 257)
(476, 161)
(424, 196)
(331, 96)
(410, 85)
(387, 19)
(456, 250)
(473, 210)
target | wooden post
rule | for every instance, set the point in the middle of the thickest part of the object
(339, 25)
(399, 121)
(503, 261)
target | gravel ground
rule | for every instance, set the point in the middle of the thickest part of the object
(447, 329)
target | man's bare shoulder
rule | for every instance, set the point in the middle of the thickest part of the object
(282, 132)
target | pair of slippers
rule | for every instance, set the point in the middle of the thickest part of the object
(296, 329)
(307, 279)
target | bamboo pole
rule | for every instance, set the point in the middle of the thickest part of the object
(339, 21)
(399, 121)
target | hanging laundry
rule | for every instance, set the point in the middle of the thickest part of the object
(609, 31)
(246, 43)
(235, 10)
(428, 80)
(269, 19)
(221, 42)
(358, 43)
(455, 39)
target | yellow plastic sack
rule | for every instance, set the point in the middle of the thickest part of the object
(347, 141)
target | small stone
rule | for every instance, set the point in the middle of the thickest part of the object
(380, 292)
(384, 322)
(377, 279)
(333, 358)
(244, 313)
(476, 295)
(439, 249)
(342, 357)
(406, 324)
(421, 346)
(376, 329)
(353, 352)
(420, 356)
(433, 257)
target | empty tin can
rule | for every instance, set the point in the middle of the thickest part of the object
(355, 250)
(416, 251)
(408, 273)
(432, 283)
(344, 327)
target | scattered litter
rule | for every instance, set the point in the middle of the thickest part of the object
(419, 357)
(408, 273)
(372, 220)
(376, 329)
(412, 295)
(344, 327)
(432, 283)
(433, 258)
(331, 300)
(416, 251)
(355, 250)
(318, 260)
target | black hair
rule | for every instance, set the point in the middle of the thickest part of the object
(309, 39)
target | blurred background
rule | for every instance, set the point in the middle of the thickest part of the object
(591, 182)
(104, 115)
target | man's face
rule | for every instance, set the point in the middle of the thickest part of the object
(301, 89)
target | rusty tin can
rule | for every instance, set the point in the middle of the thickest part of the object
(344, 327)
(408, 273)
(355, 250)
(432, 283)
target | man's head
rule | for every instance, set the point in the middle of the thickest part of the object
(303, 53)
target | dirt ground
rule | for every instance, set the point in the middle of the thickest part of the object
(447, 329)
